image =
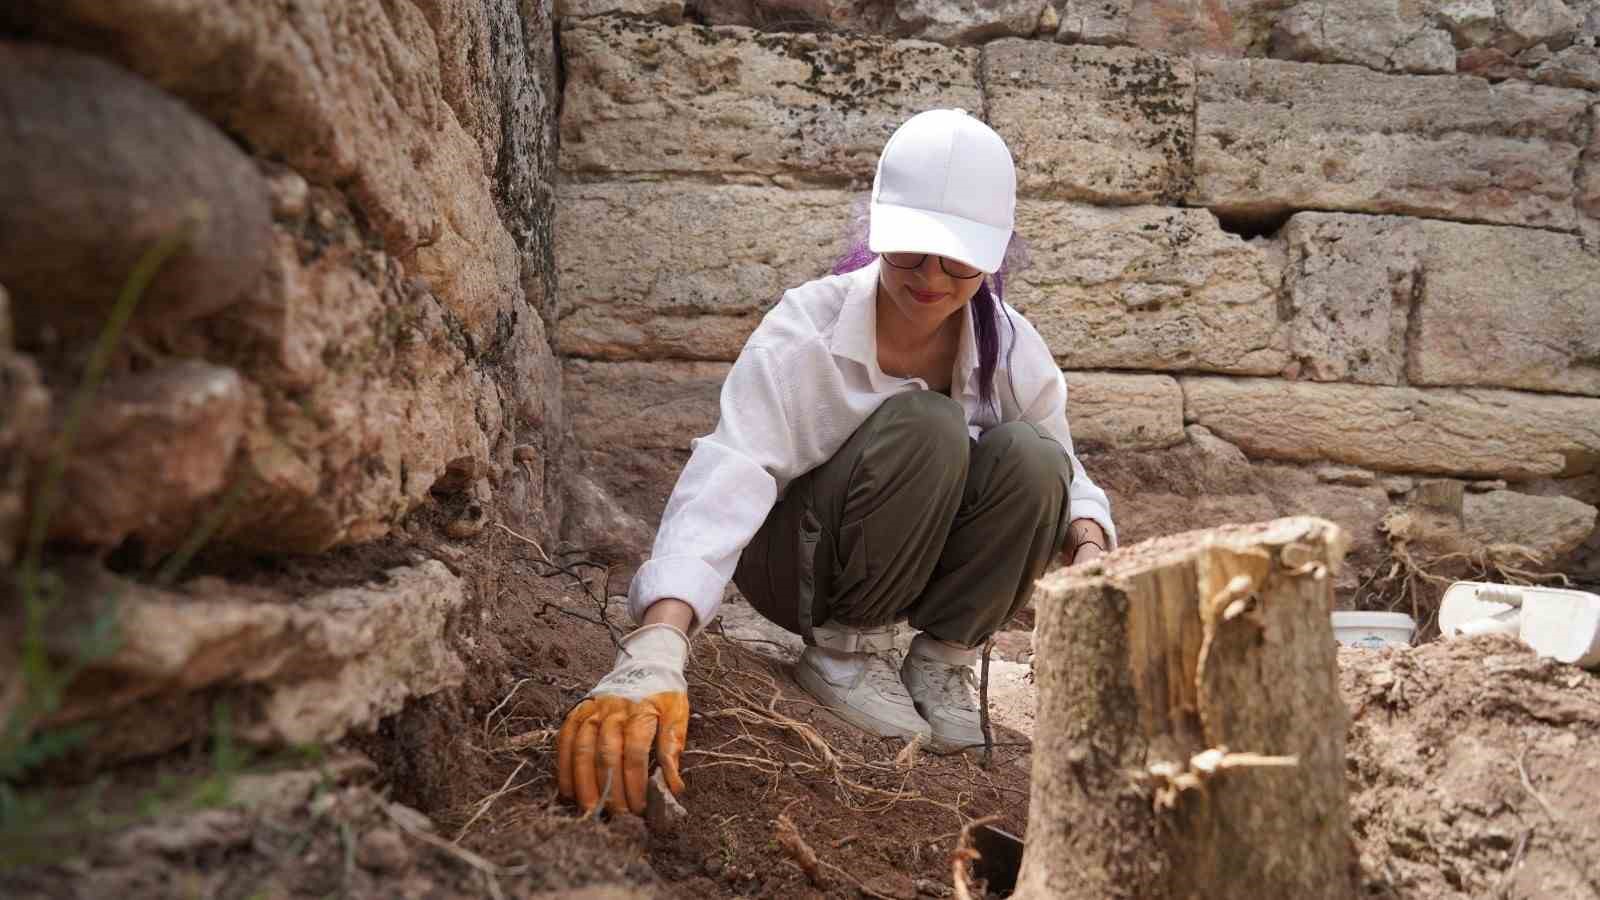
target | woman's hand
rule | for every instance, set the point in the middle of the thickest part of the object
(603, 750)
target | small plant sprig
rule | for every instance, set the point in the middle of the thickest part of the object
(43, 681)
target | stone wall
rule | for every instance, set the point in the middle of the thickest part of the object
(361, 301)
(368, 296)
(1312, 257)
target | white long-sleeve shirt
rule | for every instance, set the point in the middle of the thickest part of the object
(805, 381)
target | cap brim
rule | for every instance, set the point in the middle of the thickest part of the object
(902, 229)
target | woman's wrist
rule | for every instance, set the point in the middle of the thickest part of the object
(1086, 531)
(671, 611)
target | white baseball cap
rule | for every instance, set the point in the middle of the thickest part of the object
(945, 185)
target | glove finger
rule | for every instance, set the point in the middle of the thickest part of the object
(674, 726)
(636, 758)
(565, 742)
(609, 774)
(584, 782)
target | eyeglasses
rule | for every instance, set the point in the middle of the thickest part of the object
(914, 261)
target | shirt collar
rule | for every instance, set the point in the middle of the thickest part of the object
(855, 334)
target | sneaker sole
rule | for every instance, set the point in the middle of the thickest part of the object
(821, 691)
(945, 742)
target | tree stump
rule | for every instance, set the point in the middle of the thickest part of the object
(1174, 678)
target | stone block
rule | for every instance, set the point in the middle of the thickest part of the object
(1549, 526)
(1149, 288)
(1274, 136)
(684, 270)
(1115, 411)
(668, 11)
(1507, 307)
(153, 447)
(1348, 290)
(1444, 303)
(644, 97)
(314, 668)
(1184, 27)
(1466, 432)
(1378, 34)
(101, 166)
(1095, 124)
(967, 21)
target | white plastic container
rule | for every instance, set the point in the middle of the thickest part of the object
(1556, 622)
(1373, 629)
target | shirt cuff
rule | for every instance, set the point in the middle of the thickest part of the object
(687, 578)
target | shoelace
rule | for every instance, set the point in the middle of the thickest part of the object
(883, 671)
(961, 686)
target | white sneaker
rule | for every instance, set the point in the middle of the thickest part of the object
(854, 673)
(944, 688)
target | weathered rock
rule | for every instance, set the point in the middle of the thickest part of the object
(1112, 411)
(597, 523)
(1094, 21)
(363, 389)
(1100, 125)
(1490, 306)
(24, 428)
(1350, 475)
(1348, 289)
(1470, 22)
(1550, 526)
(645, 97)
(1583, 562)
(1372, 33)
(349, 94)
(152, 448)
(1476, 432)
(684, 270)
(1507, 307)
(966, 21)
(861, 16)
(1149, 288)
(1276, 136)
(1575, 67)
(658, 405)
(1227, 28)
(100, 167)
(668, 11)
(1208, 482)
(1588, 184)
(1525, 23)
(315, 669)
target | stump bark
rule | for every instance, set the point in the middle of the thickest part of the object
(1173, 678)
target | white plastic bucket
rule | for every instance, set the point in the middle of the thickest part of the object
(1373, 629)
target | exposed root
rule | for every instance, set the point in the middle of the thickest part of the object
(1414, 576)
(749, 698)
(793, 844)
(485, 803)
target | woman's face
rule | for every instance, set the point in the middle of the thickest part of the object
(926, 295)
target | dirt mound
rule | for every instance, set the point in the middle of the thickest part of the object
(1472, 771)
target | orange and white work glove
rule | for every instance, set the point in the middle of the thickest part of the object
(606, 739)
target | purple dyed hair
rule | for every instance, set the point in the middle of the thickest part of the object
(988, 304)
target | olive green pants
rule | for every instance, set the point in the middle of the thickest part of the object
(912, 519)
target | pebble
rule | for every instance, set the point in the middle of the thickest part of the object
(383, 850)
